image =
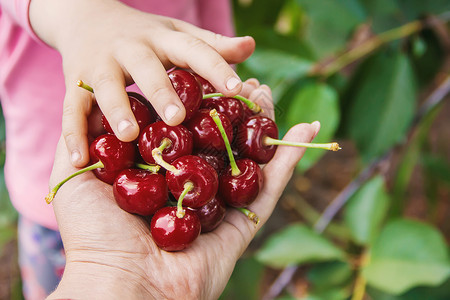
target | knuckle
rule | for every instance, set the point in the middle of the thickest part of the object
(103, 79)
(195, 44)
(158, 94)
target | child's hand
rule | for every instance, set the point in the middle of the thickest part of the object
(110, 45)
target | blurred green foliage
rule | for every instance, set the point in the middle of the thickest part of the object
(359, 67)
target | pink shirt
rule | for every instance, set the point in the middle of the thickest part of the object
(32, 92)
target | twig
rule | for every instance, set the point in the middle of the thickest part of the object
(367, 47)
(436, 97)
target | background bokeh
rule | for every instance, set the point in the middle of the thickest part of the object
(372, 220)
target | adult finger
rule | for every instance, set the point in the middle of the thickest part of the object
(263, 97)
(248, 87)
(276, 175)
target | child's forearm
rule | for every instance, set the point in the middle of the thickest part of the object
(55, 21)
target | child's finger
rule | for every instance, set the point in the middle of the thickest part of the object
(190, 52)
(151, 77)
(232, 49)
(77, 106)
(109, 87)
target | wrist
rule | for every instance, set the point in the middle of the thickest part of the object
(89, 280)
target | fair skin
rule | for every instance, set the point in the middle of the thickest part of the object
(111, 255)
(100, 45)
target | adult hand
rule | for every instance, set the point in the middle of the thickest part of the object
(110, 253)
(109, 45)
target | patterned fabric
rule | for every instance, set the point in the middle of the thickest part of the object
(41, 259)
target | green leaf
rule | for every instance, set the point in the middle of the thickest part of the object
(331, 294)
(297, 244)
(383, 14)
(255, 14)
(382, 105)
(246, 276)
(315, 102)
(329, 274)
(275, 65)
(414, 9)
(441, 292)
(330, 23)
(366, 210)
(407, 254)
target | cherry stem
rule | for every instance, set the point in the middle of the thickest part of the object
(330, 146)
(250, 215)
(151, 168)
(52, 194)
(157, 156)
(188, 186)
(254, 107)
(234, 168)
(83, 85)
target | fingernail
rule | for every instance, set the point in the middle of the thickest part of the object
(75, 156)
(171, 111)
(232, 83)
(316, 125)
(124, 125)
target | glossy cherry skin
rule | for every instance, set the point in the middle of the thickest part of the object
(188, 89)
(211, 214)
(230, 107)
(114, 154)
(205, 132)
(152, 136)
(247, 112)
(196, 170)
(140, 191)
(171, 233)
(241, 190)
(207, 87)
(140, 110)
(249, 141)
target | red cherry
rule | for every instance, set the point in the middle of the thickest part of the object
(211, 214)
(181, 142)
(114, 154)
(248, 112)
(140, 191)
(205, 133)
(207, 87)
(140, 110)
(108, 156)
(250, 139)
(188, 89)
(172, 233)
(193, 169)
(216, 159)
(257, 139)
(230, 107)
(241, 190)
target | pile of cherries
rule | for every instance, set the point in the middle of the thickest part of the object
(205, 164)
